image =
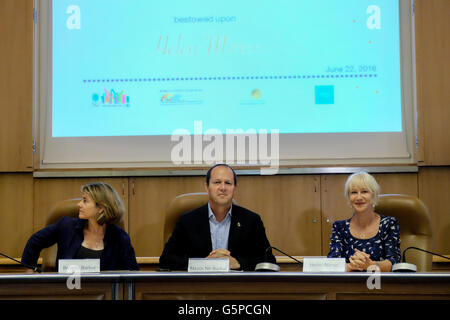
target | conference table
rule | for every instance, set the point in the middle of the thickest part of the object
(226, 286)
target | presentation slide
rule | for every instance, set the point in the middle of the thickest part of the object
(144, 67)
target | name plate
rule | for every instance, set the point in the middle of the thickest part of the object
(78, 265)
(318, 264)
(209, 265)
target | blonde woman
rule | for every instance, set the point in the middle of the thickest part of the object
(367, 238)
(92, 235)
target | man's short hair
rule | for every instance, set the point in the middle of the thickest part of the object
(208, 174)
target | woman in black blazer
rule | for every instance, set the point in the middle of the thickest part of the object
(92, 235)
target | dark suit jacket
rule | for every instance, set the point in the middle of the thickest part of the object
(118, 253)
(191, 238)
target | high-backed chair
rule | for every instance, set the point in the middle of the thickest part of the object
(181, 204)
(415, 226)
(65, 208)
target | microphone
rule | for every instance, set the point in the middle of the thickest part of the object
(410, 267)
(35, 268)
(267, 266)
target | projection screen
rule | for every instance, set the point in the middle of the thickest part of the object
(143, 83)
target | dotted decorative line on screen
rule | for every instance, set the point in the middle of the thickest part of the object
(337, 76)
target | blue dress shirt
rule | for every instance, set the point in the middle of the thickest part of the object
(219, 230)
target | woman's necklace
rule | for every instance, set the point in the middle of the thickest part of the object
(367, 232)
(93, 240)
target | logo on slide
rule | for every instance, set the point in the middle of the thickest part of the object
(180, 97)
(256, 94)
(111, 98)
(324, 94)
(170, 98)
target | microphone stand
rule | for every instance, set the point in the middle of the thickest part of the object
(35, 269)
(404, 253)
(267, 266)
(409, 267)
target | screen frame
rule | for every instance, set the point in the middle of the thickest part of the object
(288, 157)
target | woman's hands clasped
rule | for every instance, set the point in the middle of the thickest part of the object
(360, 261)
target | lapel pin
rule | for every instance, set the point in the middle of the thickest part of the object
(238, 224)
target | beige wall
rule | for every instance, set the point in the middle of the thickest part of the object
(297, 209)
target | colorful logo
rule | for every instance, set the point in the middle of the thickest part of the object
(111, 98)
(170, 98)
(256, 94)
(180, 97)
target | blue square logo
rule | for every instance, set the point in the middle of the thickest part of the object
(324, 94)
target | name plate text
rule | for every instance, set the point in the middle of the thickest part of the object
(78, 265)
(318, 264)
(209, 265)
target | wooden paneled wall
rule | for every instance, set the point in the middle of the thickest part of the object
(289, 207)
(434, 191)
(433, 80)
(16, 85)
(297, 210)
(16, 211)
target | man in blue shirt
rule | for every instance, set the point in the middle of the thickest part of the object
(219, 229)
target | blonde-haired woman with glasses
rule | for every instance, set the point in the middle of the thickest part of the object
(367, 238)
(92, 235)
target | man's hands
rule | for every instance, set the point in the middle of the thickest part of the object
(224, 253)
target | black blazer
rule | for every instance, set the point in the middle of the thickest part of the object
(191, 238)
(118, 253)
